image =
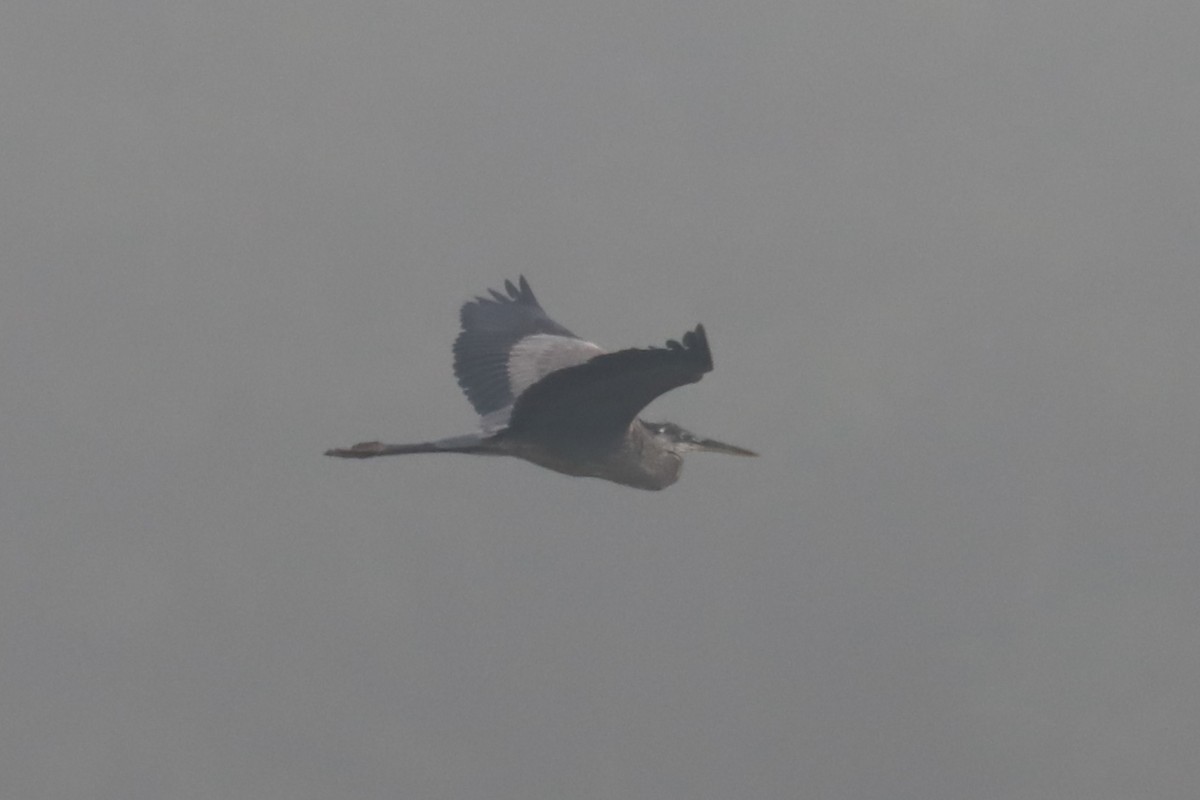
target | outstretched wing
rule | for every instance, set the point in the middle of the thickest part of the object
(508, 343)
(597, 400)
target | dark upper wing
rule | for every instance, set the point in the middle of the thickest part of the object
(490, 328)
(598, 399)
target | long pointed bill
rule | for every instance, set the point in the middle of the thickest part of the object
(713, 446)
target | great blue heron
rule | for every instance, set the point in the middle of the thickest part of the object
(547, 396)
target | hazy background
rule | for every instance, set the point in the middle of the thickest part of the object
(947, 256)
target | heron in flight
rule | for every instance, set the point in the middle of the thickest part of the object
(545, 395)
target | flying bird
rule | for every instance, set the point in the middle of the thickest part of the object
(547, 396)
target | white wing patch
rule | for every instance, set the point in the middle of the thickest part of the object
(535, 357)
(496, 421)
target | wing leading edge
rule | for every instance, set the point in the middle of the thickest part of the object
(598, 399)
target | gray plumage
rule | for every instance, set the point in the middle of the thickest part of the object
(547, 396)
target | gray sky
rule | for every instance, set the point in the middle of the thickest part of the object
(947, 257)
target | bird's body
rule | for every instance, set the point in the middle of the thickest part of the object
(638, 459)
(549, 397)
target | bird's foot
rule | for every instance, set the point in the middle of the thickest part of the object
(360, 450)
